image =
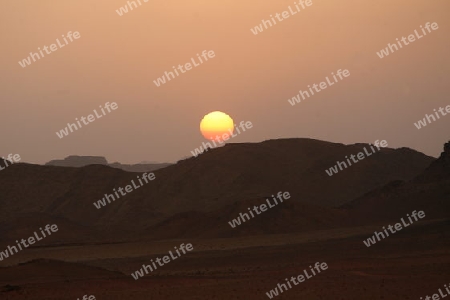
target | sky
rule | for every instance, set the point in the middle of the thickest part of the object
(251, 77)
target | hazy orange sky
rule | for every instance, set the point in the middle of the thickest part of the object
(250, 78)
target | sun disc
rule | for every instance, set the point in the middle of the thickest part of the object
(215, 124)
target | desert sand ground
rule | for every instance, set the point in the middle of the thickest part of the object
(407, 265)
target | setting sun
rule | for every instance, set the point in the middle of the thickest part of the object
(216, 124)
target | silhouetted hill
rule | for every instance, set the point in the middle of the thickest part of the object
(429, 191)
(439, 169)
(287, 217)
(215, 186)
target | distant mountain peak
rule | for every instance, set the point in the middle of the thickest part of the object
(446, 153)
(444, 158)
(440, 168)
(78, 161)
(82, 161)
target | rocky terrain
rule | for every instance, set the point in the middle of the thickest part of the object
(326, 220)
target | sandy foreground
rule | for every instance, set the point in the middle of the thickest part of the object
(408, 265)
